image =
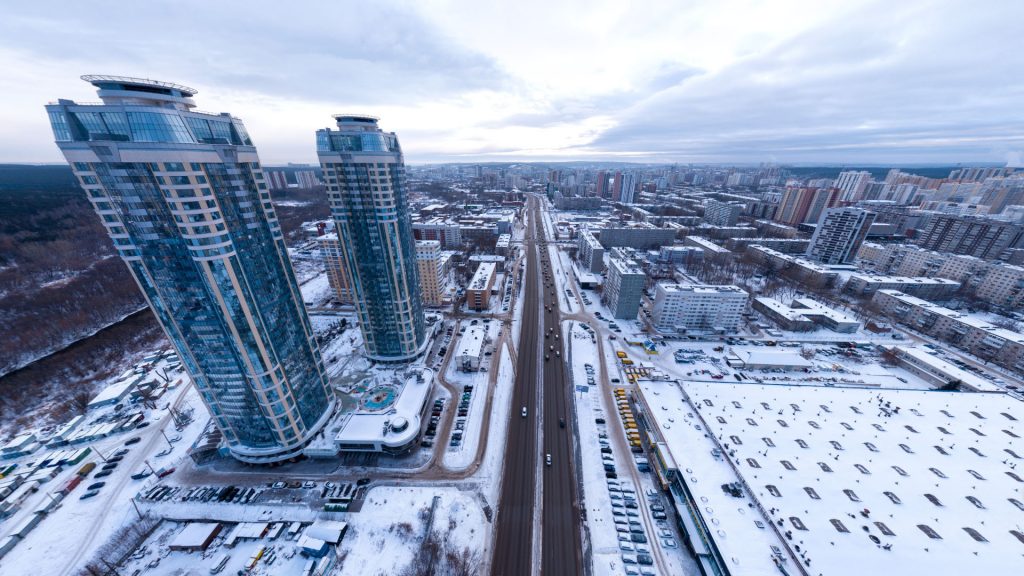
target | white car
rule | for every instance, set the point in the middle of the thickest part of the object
(524, 412)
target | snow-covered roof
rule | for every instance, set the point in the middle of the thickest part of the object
(195, 535)
(472, 342)
(782, 358)
(937, 366)
(846, 472)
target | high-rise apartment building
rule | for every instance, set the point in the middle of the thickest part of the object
(277, 179)
(793, 205)
(624, 288)
(980, 237)
(800, 205)
(821, 200)
(590, 252)
(183, 197)
(433, 276)
(624, 187)
(365, 176)
(839, 234)
(337, 275)
(307, 179)
(851, 185)
(601, 184)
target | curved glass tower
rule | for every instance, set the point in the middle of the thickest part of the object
(365, 175)
(184, 199)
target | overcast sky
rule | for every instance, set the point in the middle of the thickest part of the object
(894, 81)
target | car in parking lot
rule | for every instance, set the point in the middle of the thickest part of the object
(131, 441)
(97, 485)
(88, 494)
(103, 473)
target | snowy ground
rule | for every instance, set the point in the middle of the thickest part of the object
(383, 538)
(461, 456)
(69, 536)
(317, 291)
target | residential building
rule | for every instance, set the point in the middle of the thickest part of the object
(804, 314)
(624, 287)
(963, 330)
(709, 247)
(307, 179)
(851, 185)
(601, 187)
(184, 198)
(589, 252)
(810, 273)
(470, 352)
(433, 277)
(641, 236)
(448, 233)
(365, 174)
(923, 287)
(722, 213)
(821, 200)
(981, 237)
(337, 275)
(994, 282)
(839, 234)
(277, 179)
(478, 293)
(695, 308)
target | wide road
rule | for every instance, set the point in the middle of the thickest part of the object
(561, 548)
(514, 540)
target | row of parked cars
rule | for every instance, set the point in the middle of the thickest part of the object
(462, 415)
(225, 494)
(435, 419)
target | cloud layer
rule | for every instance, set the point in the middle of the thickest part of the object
(743, 81)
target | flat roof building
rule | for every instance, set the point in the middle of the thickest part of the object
(478, 292)
(624, 287)
(695, 309)
(963, 330)
(770, 476)
(931, 288)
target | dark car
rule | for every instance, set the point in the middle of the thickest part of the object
(97, 485)
(362, 482)
(638, 538)
(142, 425)
(88, 495)
(561, 422)
(103, 474)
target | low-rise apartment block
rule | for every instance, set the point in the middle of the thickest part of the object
(697, 309)
(963, 330)
(478, 293)
(930, 288)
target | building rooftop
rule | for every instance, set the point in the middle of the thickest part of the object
(481, 276)
(623, 266)
(965, 318)
(920, 280)
(671, 288)
(902, 481)
(971, 380)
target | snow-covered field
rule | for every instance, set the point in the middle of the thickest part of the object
(383, 538)
(317, 290)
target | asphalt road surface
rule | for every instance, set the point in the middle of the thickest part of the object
(561, 551)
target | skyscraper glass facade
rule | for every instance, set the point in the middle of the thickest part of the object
(364, 172)
(183, 197)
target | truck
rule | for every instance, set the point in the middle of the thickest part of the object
(164, 472)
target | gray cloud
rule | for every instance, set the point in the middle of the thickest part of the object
(927, 83)
(915, 81)
(331, 51)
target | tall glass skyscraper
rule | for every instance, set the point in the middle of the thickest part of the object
(365, 175)
(184, 199)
